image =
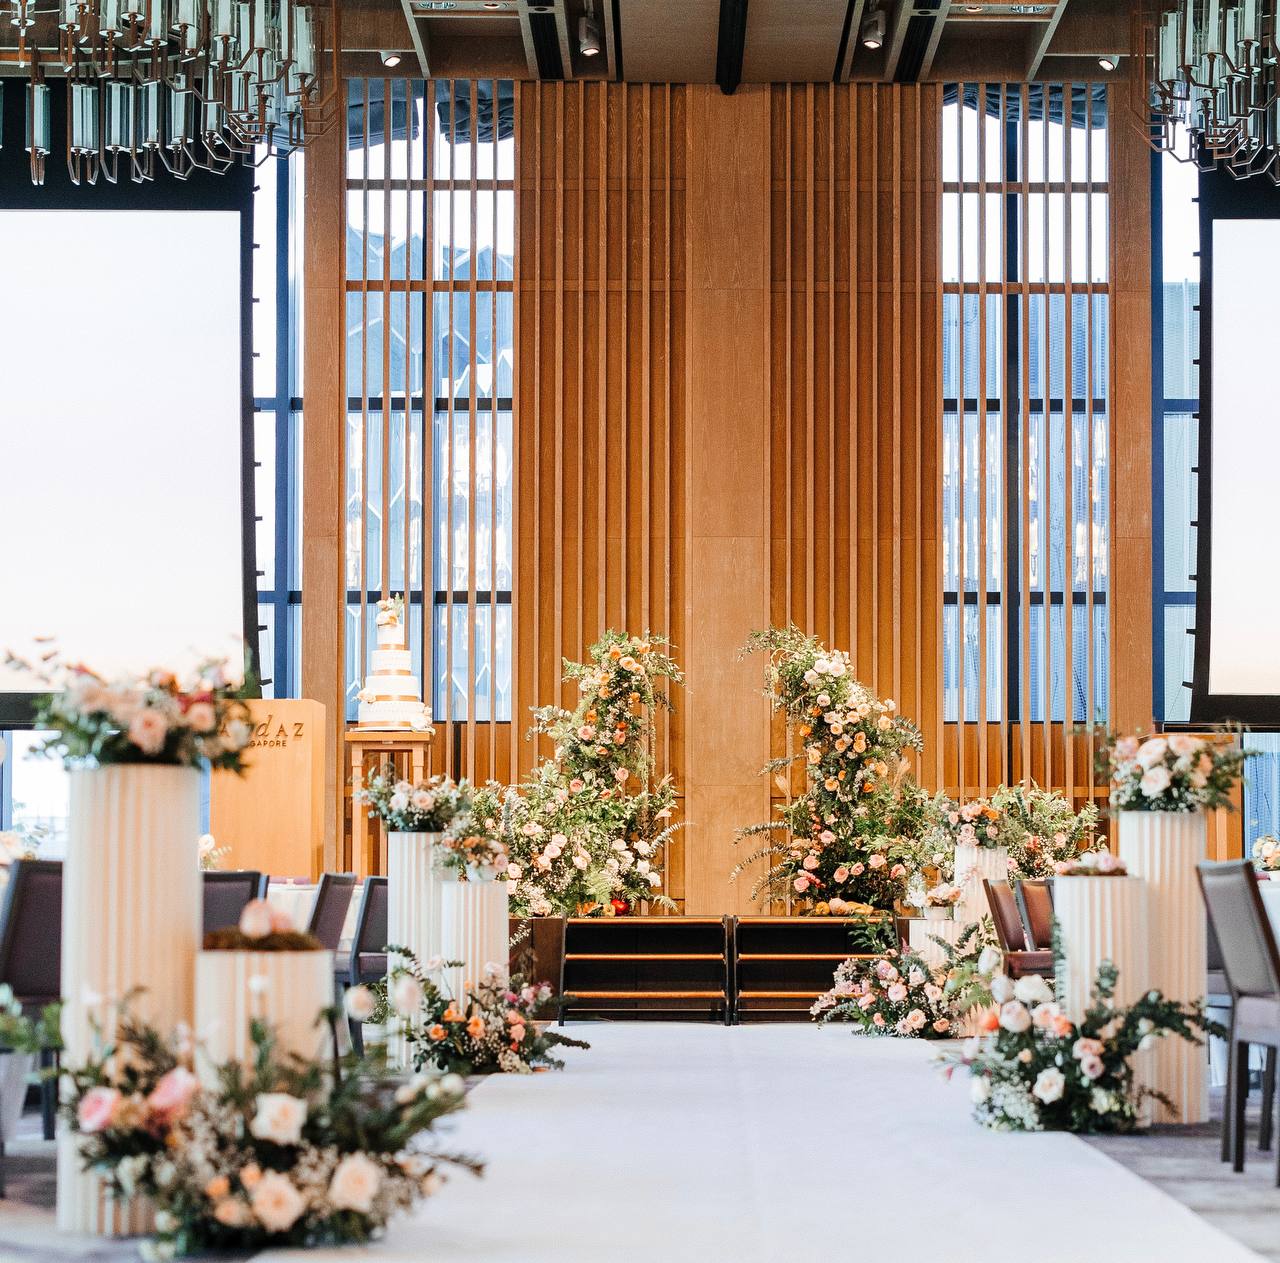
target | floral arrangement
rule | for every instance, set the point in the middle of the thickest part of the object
(1174, 773)
(154, 718)
(286, 1153)
(943, 895)
(1266, 854)
(473, 843)
(492, 1029)
(901, 994)
(973, 823)
(262, 928)
(1092, 864)
(1040, 828)
(1039, 1071)
(586, 831)
(210, 853)
(849, 835)
(429, 807)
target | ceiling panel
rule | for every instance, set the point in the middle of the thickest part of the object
(792, 40)
(671, 40)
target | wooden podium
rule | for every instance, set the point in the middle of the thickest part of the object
(407, 751)
(272, 818)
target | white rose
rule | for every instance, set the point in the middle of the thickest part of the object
(355, 1183)
(655, 880)
(979, 1089)
(1154, 782)
(1184, 746)
(276, 1203)
(1050, 1085)
(359, 1003)
(1033, 990)
(989, 960)
(580, 860)
(1001, 988)
(1014, 1017)
(406, 995)
(279, 1119)
(1152, 752)
(148, 730)
(398, 802)
(514, 871)
(1100, 1101)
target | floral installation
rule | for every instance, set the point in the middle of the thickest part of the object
(1040, 828)
(973, 823)
(850, 835)
(154, 718)
(1266, 854)
(491, 1029)
(473, 844)
(586, 831)
(288, 1152)
(1177, 772)
(1039, 1071)
(428, 807)
(943, 895)
(1092, 864)
(263, 927)
(210, 854)
(900, 994)
(22, 1033)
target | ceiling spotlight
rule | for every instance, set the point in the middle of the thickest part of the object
(873, 29)
(1109, 61)
(589, 35)
(390, 60)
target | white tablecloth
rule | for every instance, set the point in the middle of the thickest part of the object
(299, 898)
(1271, 901)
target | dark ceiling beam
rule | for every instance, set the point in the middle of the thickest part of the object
(612, 20)
(935, 38)
(731, 44)
(1042, 38)
(526, 36)
(419, 37)
(849, 35)
(895, 37)
(567, 44)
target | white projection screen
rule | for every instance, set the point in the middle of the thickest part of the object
(1245, 460)
(120, 437)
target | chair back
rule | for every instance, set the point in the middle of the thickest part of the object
(31, 932)
(1004, 912)
(329, 914)
(370, 938)
(1247, 941)
(225, 895)
(1035, 897)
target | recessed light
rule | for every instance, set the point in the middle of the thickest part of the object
(390, 59)
(1109, 61)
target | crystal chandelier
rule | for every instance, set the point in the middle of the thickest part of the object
(198, 84)
(1207, 71)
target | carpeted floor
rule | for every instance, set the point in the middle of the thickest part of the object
(764, 1144)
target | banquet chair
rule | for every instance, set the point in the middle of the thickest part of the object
(31, 953)
(1019, 959)
(329, 912)
(368, 959)
(225, 896)
(1251, 962)
(1035, 900)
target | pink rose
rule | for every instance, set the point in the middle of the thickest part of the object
(826, 837)
(801, 884)
(810, 862)
(620, 775)
(96, 1109)
(171, 1096)
(148, 730)
(256, 920)
(867, 1002)
(857, 870)
(1126, 747)
(877, 861)
(897, 993)
(898, 870)
(841, 874)
(577, 785)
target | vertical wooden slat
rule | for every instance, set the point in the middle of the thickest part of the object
(1069, 449)
(962, 481)
(472, 426)
(1024, 591)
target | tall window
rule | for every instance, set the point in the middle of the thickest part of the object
(430, 278)
(1026, 445)
(277, 431)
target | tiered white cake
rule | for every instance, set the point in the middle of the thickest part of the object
(391, 697)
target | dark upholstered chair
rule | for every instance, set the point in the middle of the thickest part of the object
(1251, 963)
(1019, 959)
(368, 959)
(329, 913)
(1035, 899)
(31, 951)
(225, 895)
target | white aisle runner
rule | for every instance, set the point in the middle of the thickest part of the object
(774, 1144)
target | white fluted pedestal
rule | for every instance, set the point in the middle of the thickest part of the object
(1164, 847)
(131, 918)
(414, 883)
(921, 933)
(973, 865)
(286, 990)
(476, 931)
(1105, 918)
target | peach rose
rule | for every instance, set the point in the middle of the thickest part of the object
(355, 1183)
(171, 1096)
(96, 1109)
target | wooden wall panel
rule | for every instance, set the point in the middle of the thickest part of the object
(600, 394)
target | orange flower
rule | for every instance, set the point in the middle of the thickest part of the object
(437, 1032)
(217, 1188)
(805, 729)
(868, 786)
(831, 784)
(452, 1015)
(475, 1027)
(614, 652)
(988, 1021)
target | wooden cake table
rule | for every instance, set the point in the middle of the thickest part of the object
(407, 751)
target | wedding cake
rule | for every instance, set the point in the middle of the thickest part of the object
(391, 697)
